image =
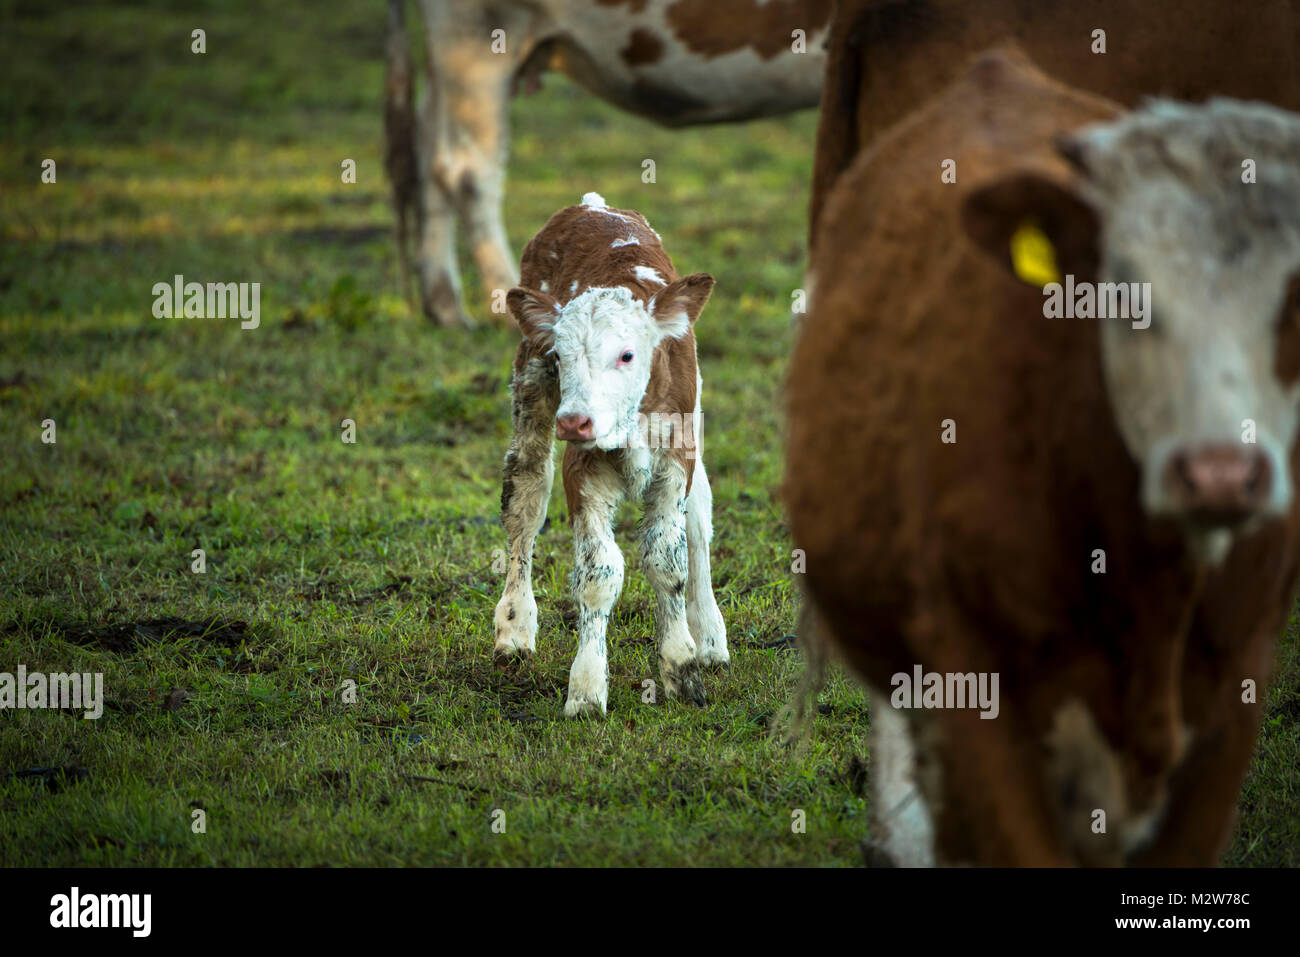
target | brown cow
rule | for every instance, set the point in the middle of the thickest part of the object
(607, 364)
(1094, 519)
(886, 56)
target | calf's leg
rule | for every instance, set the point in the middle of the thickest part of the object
(525, 490)
(702, 615)
(664, 554)
(594, 490)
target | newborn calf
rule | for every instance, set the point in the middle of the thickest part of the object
(607, 363)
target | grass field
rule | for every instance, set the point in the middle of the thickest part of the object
(371, 563)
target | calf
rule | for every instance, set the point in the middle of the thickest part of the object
(1099, 512)
(607, 363)
(676, 62)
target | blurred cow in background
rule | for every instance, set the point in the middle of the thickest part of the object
(677, 62)
(886, 57)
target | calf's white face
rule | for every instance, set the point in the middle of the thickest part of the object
(1205, 387)
(603, 341)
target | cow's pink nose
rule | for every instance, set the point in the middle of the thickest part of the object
(574, 428)
(1218, 484)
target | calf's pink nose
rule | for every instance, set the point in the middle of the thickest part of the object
(576, 427)
(1219, 484)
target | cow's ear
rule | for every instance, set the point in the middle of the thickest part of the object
(1038, 227)
(536, 313)
(679, 304)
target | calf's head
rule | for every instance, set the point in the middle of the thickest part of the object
(1199, 206)
(603, 341)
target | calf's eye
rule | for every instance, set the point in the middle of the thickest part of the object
(625, 358)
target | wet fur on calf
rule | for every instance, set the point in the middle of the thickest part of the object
(597, 288)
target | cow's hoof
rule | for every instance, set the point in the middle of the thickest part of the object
(687, 684)
(873, 855)
(443, 309)
(583, 708)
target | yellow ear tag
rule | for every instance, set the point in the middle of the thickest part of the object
(1032, 256)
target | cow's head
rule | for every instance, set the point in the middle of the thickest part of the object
(603, 341)
(1203, 204)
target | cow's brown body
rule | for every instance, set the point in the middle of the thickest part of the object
(887, 56)
(978, 556)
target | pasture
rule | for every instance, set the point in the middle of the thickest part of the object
(372, 565)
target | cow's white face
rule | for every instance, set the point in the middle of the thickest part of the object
(1199, 395)
(603, 341)
(1205, 386)
(1203, 395)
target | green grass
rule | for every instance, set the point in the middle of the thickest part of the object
(372, 563)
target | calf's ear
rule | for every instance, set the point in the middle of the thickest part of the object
(535, 312)
(680, 302)
(1036, 226)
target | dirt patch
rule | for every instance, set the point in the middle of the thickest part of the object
(127, 636)
(54, 778)
(324, 590)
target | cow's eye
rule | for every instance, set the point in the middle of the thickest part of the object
(1287, 361)
(625, 358)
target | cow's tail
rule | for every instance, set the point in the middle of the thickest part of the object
(401, 161)
(793, 722)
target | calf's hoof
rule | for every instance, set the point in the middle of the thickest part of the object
(511, 658)
(581, 707)
(516, 628)
(714, 658)
(685, 683)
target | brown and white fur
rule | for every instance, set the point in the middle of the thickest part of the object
(1076, 441)
(885, 59)
(608, 345)
(677, 62)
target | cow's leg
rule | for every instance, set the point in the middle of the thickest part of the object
(901, 823)
(593, 489)
(479, 181)
(702, 615)
(472, 68)
(957, 755)
(664, 555)
(438, 273)
(525, 490)
(1202, 808)
(1198, 818)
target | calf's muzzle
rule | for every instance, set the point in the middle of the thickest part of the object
(574, 428)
